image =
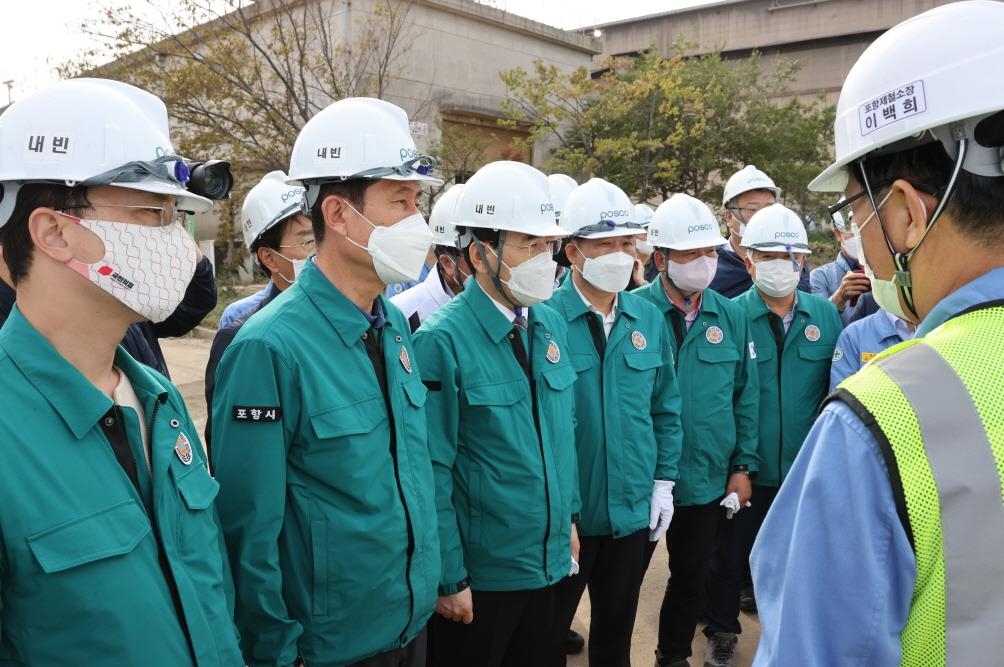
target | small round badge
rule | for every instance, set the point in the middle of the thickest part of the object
(183, 448)
(553, 353)
(714, 335)
(812, 333)
(638, 340)
(838, 354)
(405, 359)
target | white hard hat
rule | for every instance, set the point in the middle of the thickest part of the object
(643, 214)
(509, 196)
(897, 92)
(684, 223)
(561, 186)
(358, 137)
(746, 179)
(598, 209)
(776, 228)
(269, 203)
(91, 132)
(442, 220)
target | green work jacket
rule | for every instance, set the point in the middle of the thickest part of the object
(627, 408)
(94, 571)
(794, 376)
(506, 489)
(326, 487)
(715, 366)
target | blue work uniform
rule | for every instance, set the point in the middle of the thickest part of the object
(825, 280)
(319, 443)
(862, 340)
(240, 310)
(109, 556)
(833, 566)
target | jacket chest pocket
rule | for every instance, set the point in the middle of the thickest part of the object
(106, 533)
(197, 527)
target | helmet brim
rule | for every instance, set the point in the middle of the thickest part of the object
(690, 245)
(610, 234)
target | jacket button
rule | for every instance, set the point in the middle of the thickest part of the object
(550, 578)
(175, 423)
(109, 421)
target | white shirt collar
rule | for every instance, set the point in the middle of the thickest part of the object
(608, 320)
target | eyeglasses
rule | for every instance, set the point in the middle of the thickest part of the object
(745, 213)
(306, 245)
(538, 247)
(842, 215)
(152, 216)
(423, 165)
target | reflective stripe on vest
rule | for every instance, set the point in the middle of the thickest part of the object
(933, 403)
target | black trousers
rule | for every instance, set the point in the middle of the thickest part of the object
(510, 629)
(690, 541)
(730, 562)
(412, 655)
(613, 570)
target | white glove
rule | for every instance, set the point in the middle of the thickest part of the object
(575, 567)
(731, 504)
(660, 512)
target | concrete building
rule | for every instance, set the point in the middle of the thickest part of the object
(825, 36)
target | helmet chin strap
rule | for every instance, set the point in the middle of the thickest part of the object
(901, 260)
(7, 200)
(494, 274)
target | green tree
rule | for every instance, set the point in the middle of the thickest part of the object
(655, 125)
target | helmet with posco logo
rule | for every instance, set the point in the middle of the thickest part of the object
(746, 179)
(270, 202)
(643, 214)
(561, 186)
(598, 209)
(684, 223)
(896, 97)
(442, 219)
(357, 137)
(91, 132)
(508, 196)
(776, 228)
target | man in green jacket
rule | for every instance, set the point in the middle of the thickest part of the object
(627, 434)
(795, 334)
(715, 366)
(319, 438)
(501, 429)
(110, 548)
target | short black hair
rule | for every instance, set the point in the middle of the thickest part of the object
(18, 248)
(490, 236)
(354, 190)
(976, 204)
(270, 238)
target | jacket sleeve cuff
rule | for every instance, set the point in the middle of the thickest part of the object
(454, 588)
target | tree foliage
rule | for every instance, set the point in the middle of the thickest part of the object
(656, 125)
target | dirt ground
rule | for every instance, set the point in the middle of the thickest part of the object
(186, 359)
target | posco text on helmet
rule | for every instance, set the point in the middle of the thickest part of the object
(746, 179)
(508, 196)
(561, 186)
(599, 209)
(269, 203)
(442, 220)
(358, 137)
(684, 223)
(898, 96)
(91, 132)
(776, 229)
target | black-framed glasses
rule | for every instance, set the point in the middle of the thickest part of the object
(842, 215)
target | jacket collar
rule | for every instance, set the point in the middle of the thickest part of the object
(486, 313)
(343, 315)
(759, 307)
(79, 403)
(710, 299)
(568, 301)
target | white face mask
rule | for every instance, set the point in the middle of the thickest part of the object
(644, 247)
(146, 268)
(399, 251)
(298, 265)
(532, 281)
(693, 276)
(852, 248)
(776, 277)
(885, 291)
(610, 272)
